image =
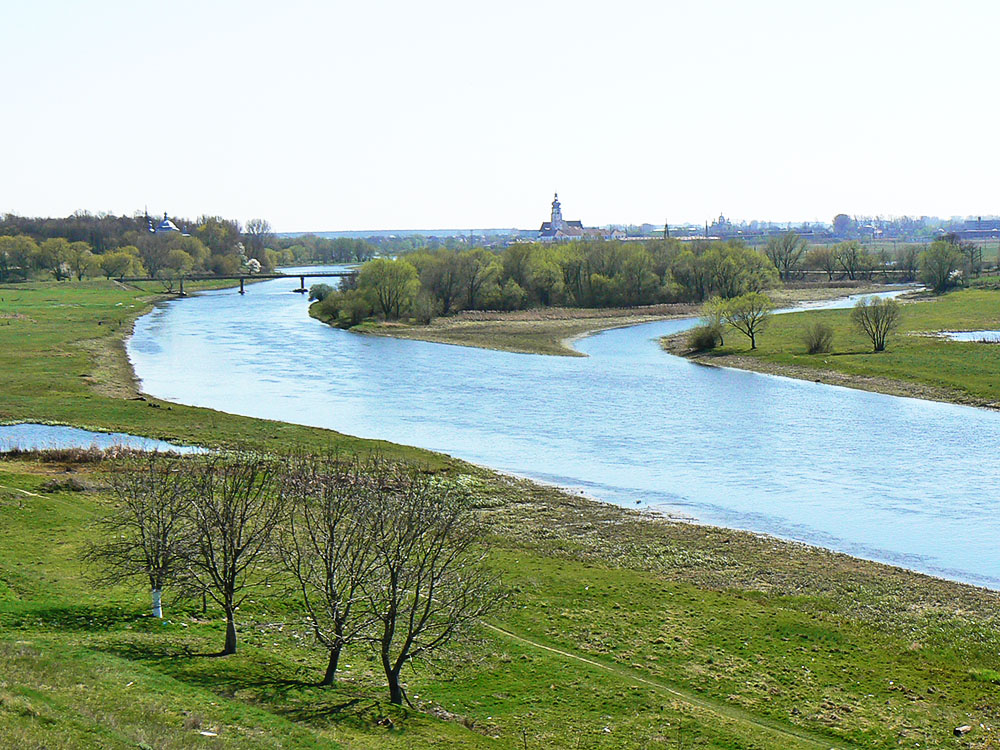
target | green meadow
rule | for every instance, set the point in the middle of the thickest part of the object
(916, 358)
(624, 630)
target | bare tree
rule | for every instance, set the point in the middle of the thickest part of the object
(822, 258)
(973, 254)
(908, 261)
(786, 253)
(145, 535)
(876, 317)
(430, 585)
(326, 549)
(233, 512)
(258, 236)
(853, 259)
(749, 314)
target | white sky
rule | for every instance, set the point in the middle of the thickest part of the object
(435, 114)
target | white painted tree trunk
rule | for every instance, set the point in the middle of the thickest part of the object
(157, 609)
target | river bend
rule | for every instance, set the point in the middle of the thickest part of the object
(904, 481)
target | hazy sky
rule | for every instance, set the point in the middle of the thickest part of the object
(434, 114)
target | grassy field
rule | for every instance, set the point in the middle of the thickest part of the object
(552, 330)
(62, 360)
(625, 630)
(916, 361)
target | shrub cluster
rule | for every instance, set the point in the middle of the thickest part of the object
(703, 338)
(818, 338)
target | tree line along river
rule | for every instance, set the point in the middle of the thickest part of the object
(904, 481)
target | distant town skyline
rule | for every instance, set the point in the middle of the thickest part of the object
(388, 115)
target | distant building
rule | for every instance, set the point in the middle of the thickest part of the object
(558, 229)
(979, 229)
(164, 227)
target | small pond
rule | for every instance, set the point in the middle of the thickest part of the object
(986, 337)
(28, 436)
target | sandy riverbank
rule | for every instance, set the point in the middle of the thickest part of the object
(553, 330)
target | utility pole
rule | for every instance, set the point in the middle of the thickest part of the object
(666, 229)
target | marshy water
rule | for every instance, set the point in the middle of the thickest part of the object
(31, 436)
(899, 480)
(986, 337)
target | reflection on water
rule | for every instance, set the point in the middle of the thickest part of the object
(887, 478)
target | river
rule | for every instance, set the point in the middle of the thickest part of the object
(904, 481)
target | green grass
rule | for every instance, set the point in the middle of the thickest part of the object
(624, 631)
(730, 640)
(950, 370)
(62, 361)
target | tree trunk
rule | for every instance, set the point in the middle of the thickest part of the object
(230, 647)
(157, 608)
(392, 677)
(395, 691)
(331, 668)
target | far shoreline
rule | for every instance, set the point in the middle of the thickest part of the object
(554, 330)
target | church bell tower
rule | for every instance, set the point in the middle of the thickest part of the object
(557, 219)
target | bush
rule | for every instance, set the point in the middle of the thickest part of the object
(354, 308)
(70, 484)
(703, 338)
(344, 309)
(818, 338)
(424, 308)
(940, 266)
(512, 296)
(320, 292)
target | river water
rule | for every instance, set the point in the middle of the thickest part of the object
(904, 481)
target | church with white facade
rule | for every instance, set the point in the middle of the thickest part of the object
(558, 229)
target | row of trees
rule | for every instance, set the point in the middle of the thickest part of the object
(852, 260)
(125, 247)
(102, 231)
(581, 274)
(311, 248)
(372, 552)
(425, 284)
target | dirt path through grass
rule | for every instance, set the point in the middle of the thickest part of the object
(19, 491)
(782, 733)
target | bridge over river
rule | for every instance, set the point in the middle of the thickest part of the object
(242, 278)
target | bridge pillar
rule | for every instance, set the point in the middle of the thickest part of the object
(302, 285)
(242, 289)
(182, 288)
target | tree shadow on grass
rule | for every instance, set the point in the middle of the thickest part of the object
(146, 651)
(358, 711)
(204, 668)
(247, 680)
(75, 618)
